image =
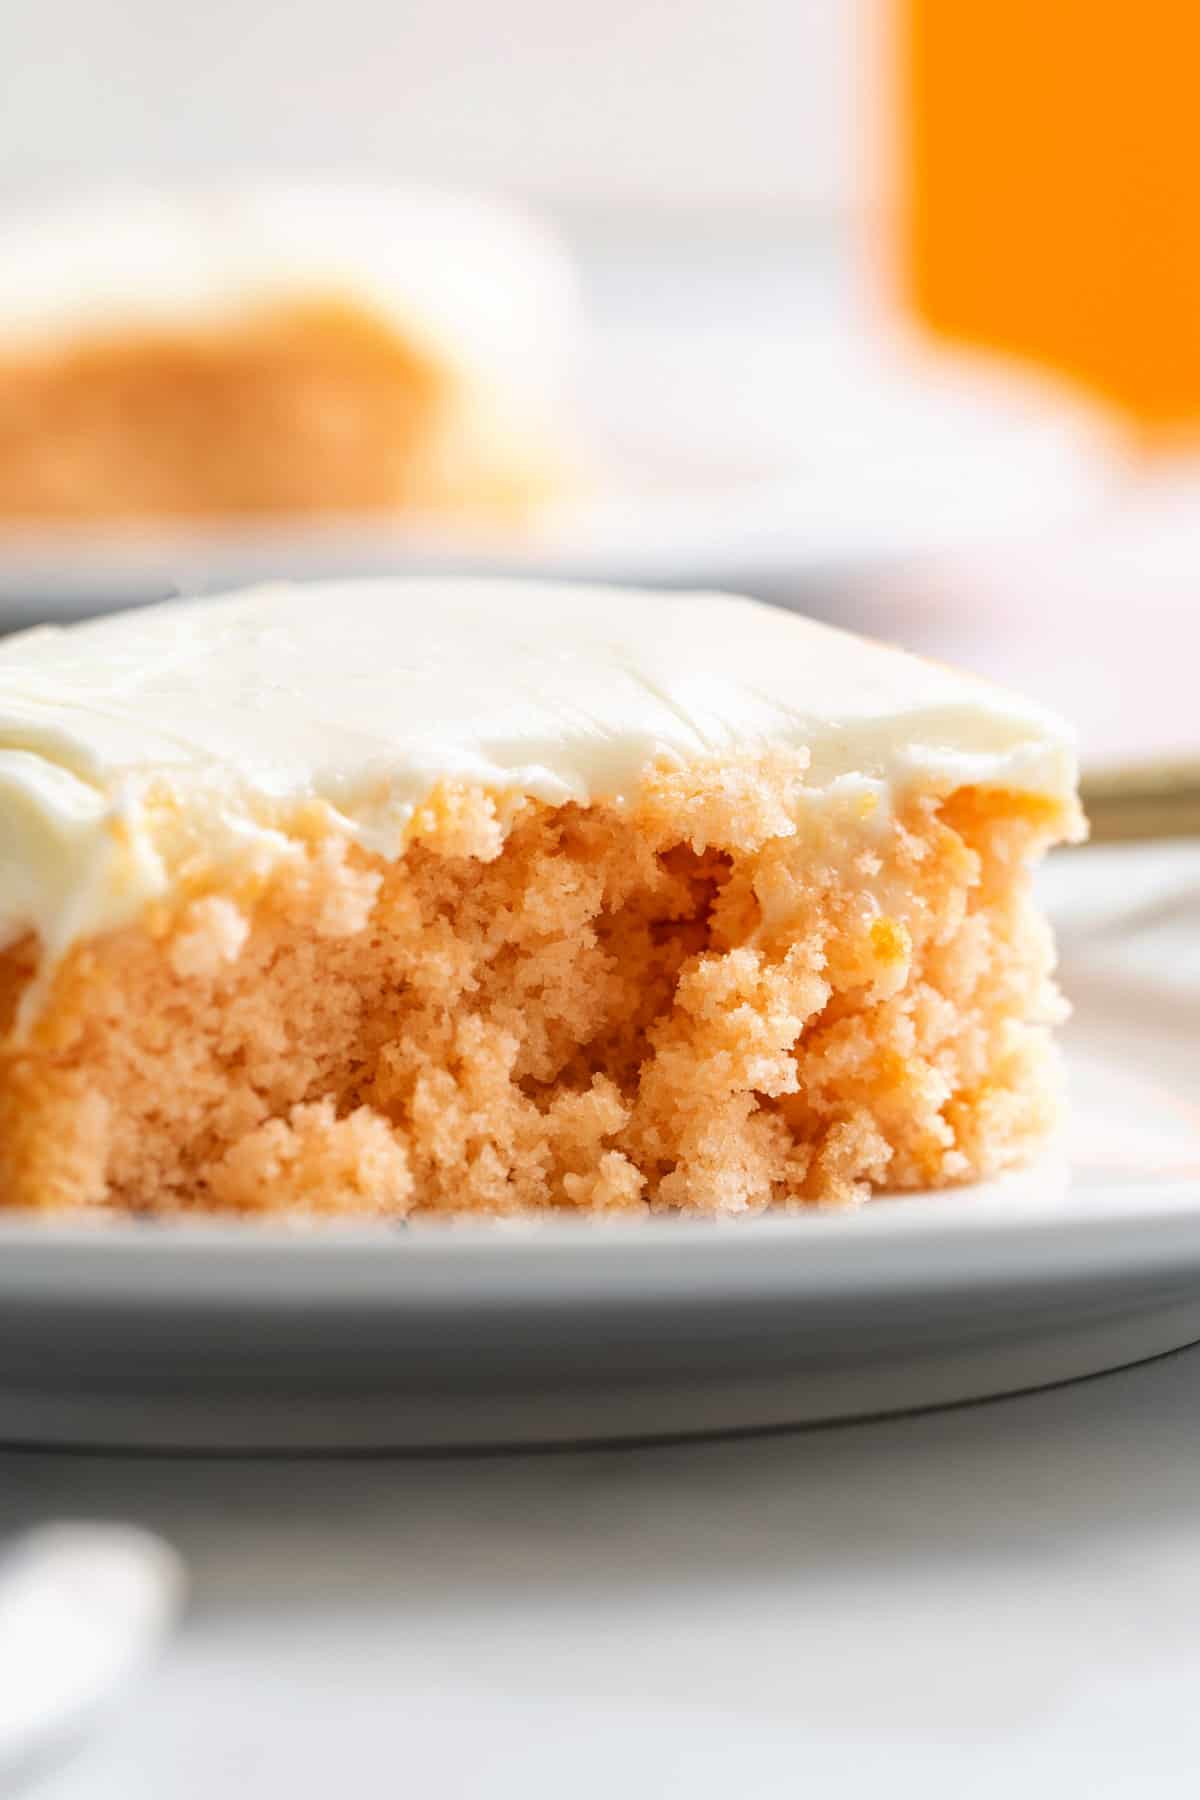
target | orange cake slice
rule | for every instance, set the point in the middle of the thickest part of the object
(433, 896)
(276, 351)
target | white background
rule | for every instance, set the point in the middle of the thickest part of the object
(736, 107)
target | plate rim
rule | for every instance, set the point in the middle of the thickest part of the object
(1126, 1233)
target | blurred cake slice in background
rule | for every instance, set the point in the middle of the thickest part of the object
(279, 351)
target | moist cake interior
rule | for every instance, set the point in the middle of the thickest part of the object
(714, 996)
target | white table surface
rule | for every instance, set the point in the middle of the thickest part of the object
(996, 1599)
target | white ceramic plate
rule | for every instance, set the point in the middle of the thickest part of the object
(257, 1337)
(719, 456)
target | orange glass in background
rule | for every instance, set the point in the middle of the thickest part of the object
(1050, 188)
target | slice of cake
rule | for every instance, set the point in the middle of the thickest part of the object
(434, 896)
(274, 351)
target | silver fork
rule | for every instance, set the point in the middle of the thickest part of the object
(1143, 802)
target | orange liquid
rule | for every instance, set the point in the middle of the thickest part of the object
(1051, 188)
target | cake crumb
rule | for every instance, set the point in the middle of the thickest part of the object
(315, 1162)
(212, 934)
(707, 996)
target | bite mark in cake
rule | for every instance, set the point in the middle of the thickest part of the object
(409, 897)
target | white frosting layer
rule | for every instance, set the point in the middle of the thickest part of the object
(480, 286)
(195, 728)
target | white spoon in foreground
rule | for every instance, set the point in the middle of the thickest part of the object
(82, 1608)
